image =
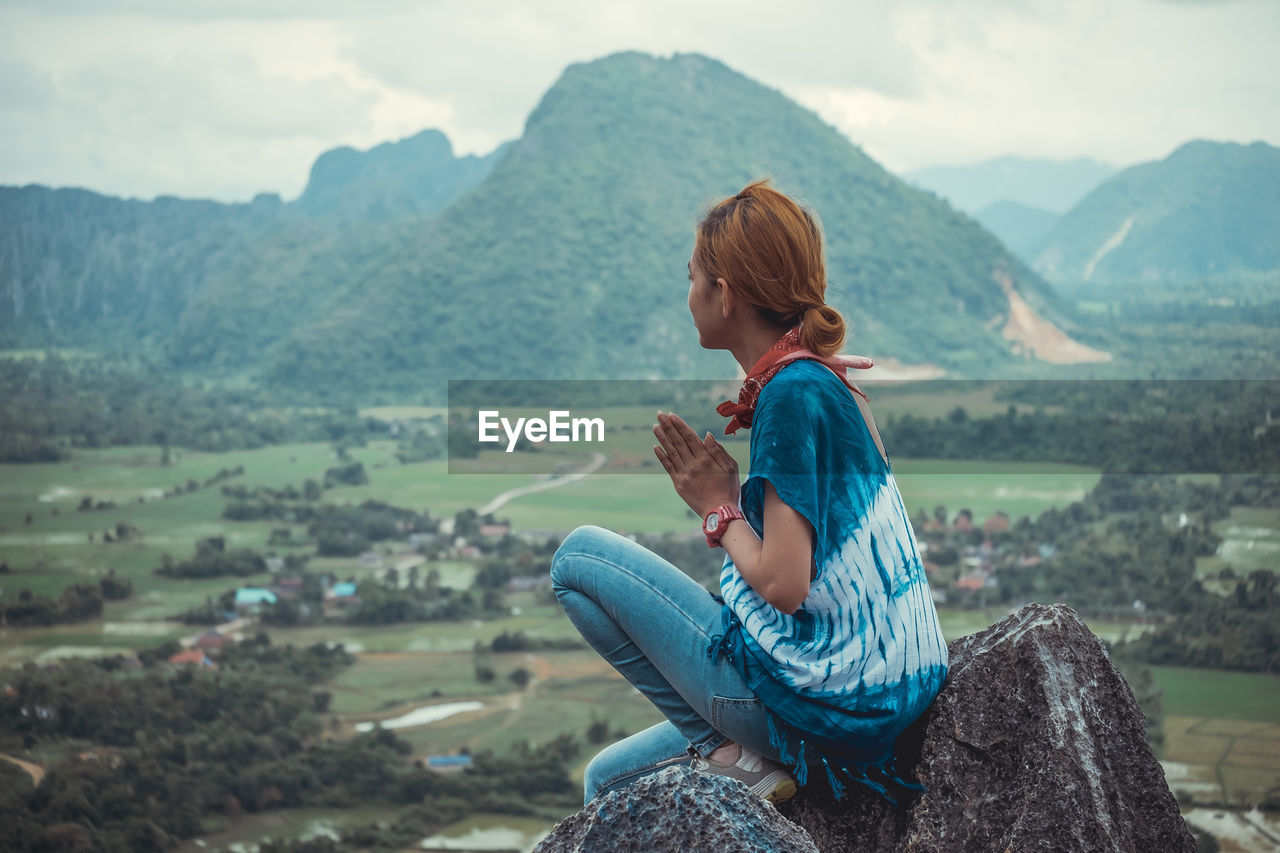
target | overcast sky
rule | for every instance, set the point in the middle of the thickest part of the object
(227, 98)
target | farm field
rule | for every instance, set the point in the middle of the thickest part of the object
(253, 829)
(54, 550)
(1224, 734)
(1251, 540)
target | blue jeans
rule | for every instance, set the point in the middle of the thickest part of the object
(653, 623)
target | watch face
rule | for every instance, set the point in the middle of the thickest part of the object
(713, 521)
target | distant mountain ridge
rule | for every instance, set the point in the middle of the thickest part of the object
(561, 255)
(1049, 185)
(416, 176)
(1206, 209)
(85, 268)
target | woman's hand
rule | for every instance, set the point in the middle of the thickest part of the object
(703, 473)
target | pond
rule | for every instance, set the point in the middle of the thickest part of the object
(421, 716)
(490, 832)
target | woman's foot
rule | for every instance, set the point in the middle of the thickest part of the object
(767, 779)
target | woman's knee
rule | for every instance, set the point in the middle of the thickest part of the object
(583, 540)
(596, 776)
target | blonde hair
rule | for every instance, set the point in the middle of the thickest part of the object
(770, 250)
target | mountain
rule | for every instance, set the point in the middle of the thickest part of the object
(565, 259)
(1206, 209)
(212, 283)
(418, 176)
(569, 259)
(1019, 226)
(82, 269)
(1051, 185)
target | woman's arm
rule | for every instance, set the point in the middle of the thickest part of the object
(706, 476)
(779, 566)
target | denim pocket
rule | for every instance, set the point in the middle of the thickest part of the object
(743, 721)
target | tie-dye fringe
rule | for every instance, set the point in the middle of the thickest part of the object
(782, 735)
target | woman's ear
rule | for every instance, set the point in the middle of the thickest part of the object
(727, 298)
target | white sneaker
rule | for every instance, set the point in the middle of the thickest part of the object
(767, 779)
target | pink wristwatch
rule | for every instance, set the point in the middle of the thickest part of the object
(717, 522)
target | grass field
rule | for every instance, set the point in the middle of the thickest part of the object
(1217, 693)
(401, 667)
(53, 551)
(1250, 540)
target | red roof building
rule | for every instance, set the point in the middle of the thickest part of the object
(192, 655)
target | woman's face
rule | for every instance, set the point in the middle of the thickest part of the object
(705, 305)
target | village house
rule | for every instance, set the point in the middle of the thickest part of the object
(287, 587)
(341, 594)
(192, 656)
(494, 531)
(417, 540)
(249, 599)
(211, 641)
(448, 762)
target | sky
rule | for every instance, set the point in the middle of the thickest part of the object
(225, 99)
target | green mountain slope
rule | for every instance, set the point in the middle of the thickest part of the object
(417, 176)
(569, 259)
(566, 259)
(213, 284)
(79, 268)
(1020, 227)
(1208, 208)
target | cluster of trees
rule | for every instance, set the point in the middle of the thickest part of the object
(521, 642)
(339, 530)
(351, 474)
(1116, 548)
(1119, 426)
(54, 404)
(1238, 631)
(347, 530)
(211, 560)
(175, 746)
(385, 602)
(311, 491)
(422, 444)
(78, 602)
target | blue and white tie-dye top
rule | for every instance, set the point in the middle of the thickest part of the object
(864, 655)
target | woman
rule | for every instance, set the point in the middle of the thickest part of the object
(825, 644)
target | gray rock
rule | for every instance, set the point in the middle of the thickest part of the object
(1035, 743)
(678, 809)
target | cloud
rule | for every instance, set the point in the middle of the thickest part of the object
(140, 107)
(1120, 82)
(498, 58)
(224, 98)
(216, 10)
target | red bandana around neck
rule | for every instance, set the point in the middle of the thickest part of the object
(787, 349)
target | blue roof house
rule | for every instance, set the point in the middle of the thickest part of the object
(251, 598)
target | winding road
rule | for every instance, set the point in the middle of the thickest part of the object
(597, 460)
